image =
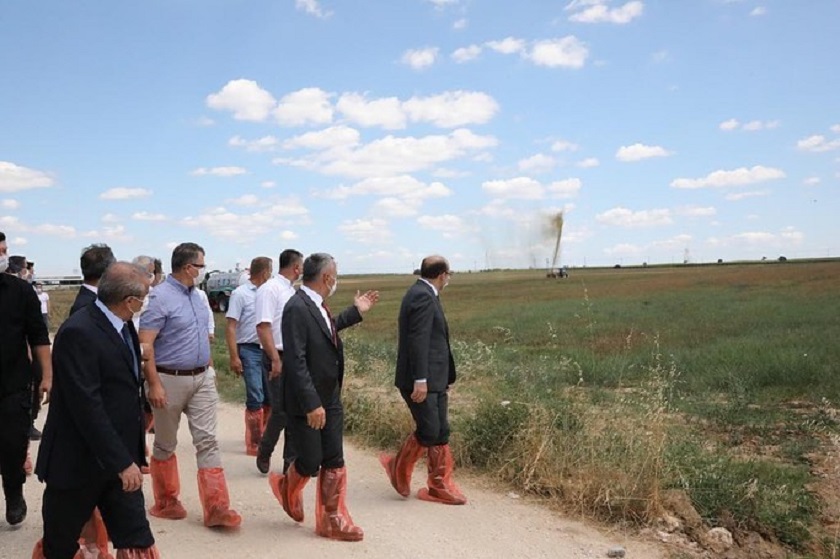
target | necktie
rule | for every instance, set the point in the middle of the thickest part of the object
(332, 323)
(128, 341)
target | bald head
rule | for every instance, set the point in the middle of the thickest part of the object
(433, 266)
(120, 281)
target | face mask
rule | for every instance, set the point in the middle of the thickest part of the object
(4, 263)
(333, 288)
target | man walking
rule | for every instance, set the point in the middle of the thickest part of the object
(271, 300)
(22, 328)
(244, 349)
(313, 364)
(425, 370)
(176, 323)
(92, 447)
(93, 262)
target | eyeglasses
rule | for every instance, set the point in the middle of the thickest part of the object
(199, 266)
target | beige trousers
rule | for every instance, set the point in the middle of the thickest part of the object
(195, 397)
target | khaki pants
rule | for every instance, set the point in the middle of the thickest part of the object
(196, 397)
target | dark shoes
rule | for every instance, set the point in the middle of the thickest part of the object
(263, 463)
(15, 510)
(34, 434)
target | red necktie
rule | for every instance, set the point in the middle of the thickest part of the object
(332, 323)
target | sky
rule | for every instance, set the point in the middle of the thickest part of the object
(383, 131)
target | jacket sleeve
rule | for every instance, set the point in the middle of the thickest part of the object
(348, 318)
(78, 374)
(36, 328)
(421, 317)
(295, 366)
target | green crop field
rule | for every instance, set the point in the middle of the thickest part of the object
(622, 394)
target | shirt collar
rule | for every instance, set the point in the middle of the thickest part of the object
(115, 321)
(315, 296)
(284, 280)
(175, 283)
(427, 282)
(93, 288)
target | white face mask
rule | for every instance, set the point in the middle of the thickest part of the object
(333, 288)
(4, 263)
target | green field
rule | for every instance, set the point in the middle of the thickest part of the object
(616, 393)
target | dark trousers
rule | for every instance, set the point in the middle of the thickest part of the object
(37, 377)
(65, 512)
(431, 417)
(15, 420)
(277, 421)
(317, 448)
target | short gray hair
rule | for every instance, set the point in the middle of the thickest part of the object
(146, 262)
(315, 264)
(121, 280)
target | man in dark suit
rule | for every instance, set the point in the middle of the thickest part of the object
(92, 446)
(425, 370)
(313, 364)
(94, 260)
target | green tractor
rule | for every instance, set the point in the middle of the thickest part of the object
(219, 285)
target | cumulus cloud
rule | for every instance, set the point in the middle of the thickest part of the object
(123, 193)
(448, 225)
(811, 181)
(508, 45)
(623, 217)
(589, 11)
(637, 152)
(15, 178)
(327, 139)
(366, 230)
(731, 124)
(567, 188)
(148, 216)
(420, 58)
(452, 108)
(835, 128)
(386, 112)
(244, 98)
(288, 235)
(736, 196)
(751, 126)
(785, 238)
(539, 163)
(403, 186)
(9, 204)
(568, 52)
(524, 188)
(312, 7)
(588, 163)
(310, 105)
(465, 54)
(737, 177)
(563, 145)
(818, 143)
(696, 211)
(54, 230)
(460, 24)
(395, 207)
(225, 224)
(245, 200)
(758, 11)
(268, 184)
(230, 171)
(266, 143)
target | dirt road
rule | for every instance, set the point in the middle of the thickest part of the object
(491, 525)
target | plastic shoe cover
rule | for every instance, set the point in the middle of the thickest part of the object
(253, 431)
(213, 491)
(332, 520)
(441, 487)
(145, 553)
(166, 486)
(288, 489)
(400, 467)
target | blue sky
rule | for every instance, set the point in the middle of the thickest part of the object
(383, 131)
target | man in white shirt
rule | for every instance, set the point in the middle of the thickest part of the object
(270, 302)
(244, 349)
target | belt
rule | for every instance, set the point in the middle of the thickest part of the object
(181, 372)
(250, 344)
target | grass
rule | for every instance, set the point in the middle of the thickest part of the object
(605, 389)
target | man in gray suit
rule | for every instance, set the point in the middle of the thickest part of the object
(425, 369)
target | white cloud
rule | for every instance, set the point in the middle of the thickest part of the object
(811, 181)
(222, 223)
(244, 98)
(637, 152)
(452, 108)
(14, 178)
(395, 207)
(563, 145)
(786, 238)
(420, 58)
(18, 242)
(147, 216)
(312, 7)
(442, 3)
(588, 163)
(728, 125)
(758, 11)
(622, 217)
(288, 235)
(123, 193)
(539, 163)
(567, 52)
(737, 177)
(508, 45)
(660, 56)
(735, 196)
(403, 186)
(229, 171)
(310, 105)
(266, 143)
(460, 24)
(448, 225)
(500, 209)
(696, 211)
(366, 230)
(524, 188)
(9, 204)
(204, 121)
(326, 139)
(567, 188)
(835, 128)
(54, 230)
(599, 12)
(245, 200)
(465, 54)
(817, 143)
(386, 112)
(110, 218)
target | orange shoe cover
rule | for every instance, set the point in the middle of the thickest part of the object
(288, 489)
(253, 431)
(332, 520)
(97, 534)
(144, 553)
(400, 467)
(38, 550)
(213, 491)
(266, 416)
(441, 487)
(166, 486)
(27, 464)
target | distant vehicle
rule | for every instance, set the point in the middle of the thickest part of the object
(558, 273)
(218, 285)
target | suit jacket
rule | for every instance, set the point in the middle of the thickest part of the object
(312, 364)
(423, 350)
(94, 428)
(83, 298)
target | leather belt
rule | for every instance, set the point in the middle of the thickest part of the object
(181, 372)
(250, 344)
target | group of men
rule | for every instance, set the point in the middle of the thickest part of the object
(285, 343)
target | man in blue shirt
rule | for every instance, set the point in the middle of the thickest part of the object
(180, 380)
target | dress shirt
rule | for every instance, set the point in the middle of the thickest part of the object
(242, 309)
(434, 289)
(319, 302)
(271, 299)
